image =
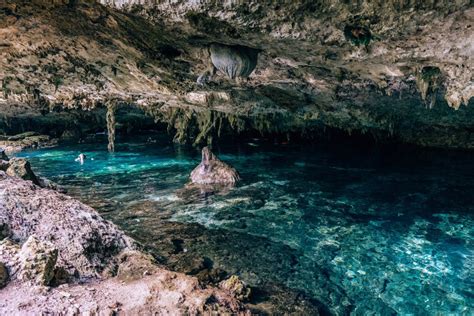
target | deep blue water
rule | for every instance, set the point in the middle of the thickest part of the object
(367, 231)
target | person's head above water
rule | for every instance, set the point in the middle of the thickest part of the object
(81, 158)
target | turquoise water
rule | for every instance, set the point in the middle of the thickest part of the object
(362, 231)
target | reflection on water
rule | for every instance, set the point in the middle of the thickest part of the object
(359, 230)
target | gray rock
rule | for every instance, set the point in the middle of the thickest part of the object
(87, 243)
(20, 167)
(211, 170)
(37, 261)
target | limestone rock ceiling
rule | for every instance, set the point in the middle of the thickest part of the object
(397, 68)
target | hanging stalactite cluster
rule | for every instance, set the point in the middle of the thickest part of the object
(201, 127)
(110, 118)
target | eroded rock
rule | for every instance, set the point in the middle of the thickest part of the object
(236, 287)
(21, 168)
(37, 261)
(87, 243)
(211, 170)
(60, 236)
(16, 143)
(235, 61)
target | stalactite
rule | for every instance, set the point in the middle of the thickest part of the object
(110, 117)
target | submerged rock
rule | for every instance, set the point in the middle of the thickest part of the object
(211, 170)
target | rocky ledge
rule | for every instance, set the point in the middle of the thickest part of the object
(59, 256)
(27, 140)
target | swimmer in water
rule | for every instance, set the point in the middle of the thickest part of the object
(81, 158)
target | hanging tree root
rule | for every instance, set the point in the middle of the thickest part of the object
(110, 117)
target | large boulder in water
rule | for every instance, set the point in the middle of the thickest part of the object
(211, 170)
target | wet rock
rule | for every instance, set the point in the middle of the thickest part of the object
(21, 168)
(211, 170)
(37, 261)
(236, 287)
(3, 275)
(48, 184)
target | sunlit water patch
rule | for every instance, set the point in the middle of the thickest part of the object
(362, 232)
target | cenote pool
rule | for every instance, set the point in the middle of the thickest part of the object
(361, 231)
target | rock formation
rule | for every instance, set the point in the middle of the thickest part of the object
(28, 140)
(354, 67)
(235, 61)
(21, 168)
(236, 287)
(52, 239)
(37, 261)
(211, 170)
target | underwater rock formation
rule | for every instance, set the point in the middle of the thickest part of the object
(235, 61)
(211, 170)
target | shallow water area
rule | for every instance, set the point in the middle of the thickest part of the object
(359, 230)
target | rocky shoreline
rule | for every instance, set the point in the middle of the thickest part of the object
(27, 140)
(58, 255)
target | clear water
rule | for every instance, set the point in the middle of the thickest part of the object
(363, 231)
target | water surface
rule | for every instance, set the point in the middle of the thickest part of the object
(362, 231)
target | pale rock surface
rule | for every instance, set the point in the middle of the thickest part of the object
(211, 170)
